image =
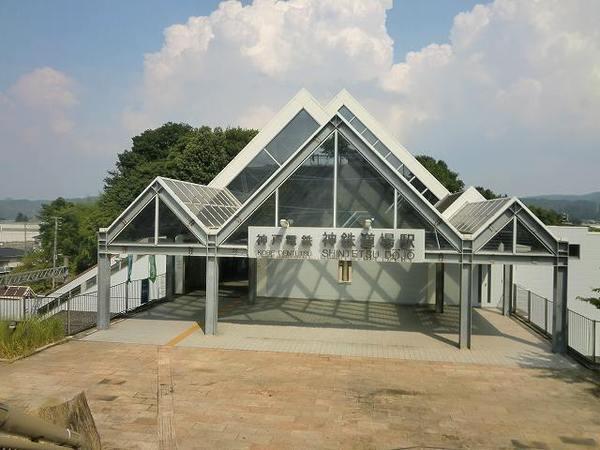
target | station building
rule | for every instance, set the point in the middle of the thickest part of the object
(324, 204)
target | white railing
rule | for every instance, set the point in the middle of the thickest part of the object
(583, 332)
(79, 311)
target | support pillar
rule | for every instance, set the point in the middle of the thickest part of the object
(466, 313)
(252, 280)
(103, 280)
(507, 289)
(439, 287)
(179, 270)
(170, 277)
(559, 314)
(212, 295)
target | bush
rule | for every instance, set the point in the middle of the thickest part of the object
(29, 335)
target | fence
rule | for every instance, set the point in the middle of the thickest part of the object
(78, 312)
(583, 332)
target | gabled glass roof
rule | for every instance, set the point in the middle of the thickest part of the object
(472, 216)
(211, 205)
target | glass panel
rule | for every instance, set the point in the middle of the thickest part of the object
(170, 228)
(263, 216)
(527, 242)
(358, 125)
(346, 113)
(362, 192)
(406, 173)
(418, 184)
(395, 162)
(370, 137)
(140, 229)
(293, 134)
(252, 176)
(306, 197)
(431, 197)
(501, 242)
(382, 149)
(409, 217)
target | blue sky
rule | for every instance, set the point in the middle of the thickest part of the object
(95, 52)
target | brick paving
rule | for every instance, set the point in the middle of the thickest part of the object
(248, 399)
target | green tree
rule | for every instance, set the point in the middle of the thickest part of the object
(442, 172)
(21, 218)
(488, 194)
(592, 300)
(172, 150)
(547, 215)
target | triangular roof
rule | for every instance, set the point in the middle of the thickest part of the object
(212, 213)
(305, 101)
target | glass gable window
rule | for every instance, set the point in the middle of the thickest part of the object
(502, 242)
(263, 216)
(141, 229)
(253, 176)
(527, 242)
(362, 192)
(362, 129)
(171, 229)
(409, 217)
(292, 136)
(273, 155)
(306, 198)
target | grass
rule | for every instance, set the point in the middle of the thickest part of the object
(28, 336)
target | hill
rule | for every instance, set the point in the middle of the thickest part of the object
(585, 207)
(9, 208)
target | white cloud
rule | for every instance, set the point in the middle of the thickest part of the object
(219, 68)
(46, 150)
(517, 83)
(513, 98)
(37, 104)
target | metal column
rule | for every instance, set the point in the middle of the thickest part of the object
(559, 313)
(170, 277)
(179, 270)
(507, 289)
(103, 280)
(252, 280)
(212, 294)
(466, 296)
(439, 287)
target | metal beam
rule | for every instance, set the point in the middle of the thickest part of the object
(174, 249)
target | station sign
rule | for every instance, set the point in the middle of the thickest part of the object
(346, 244)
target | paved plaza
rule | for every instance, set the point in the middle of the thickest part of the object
(185, 397)
(339, 328)
(337, 376)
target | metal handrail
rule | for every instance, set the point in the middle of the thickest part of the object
(583, 331)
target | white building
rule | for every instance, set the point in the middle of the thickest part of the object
(325, 204)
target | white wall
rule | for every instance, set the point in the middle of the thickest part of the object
(584, 272)
(376, 282)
